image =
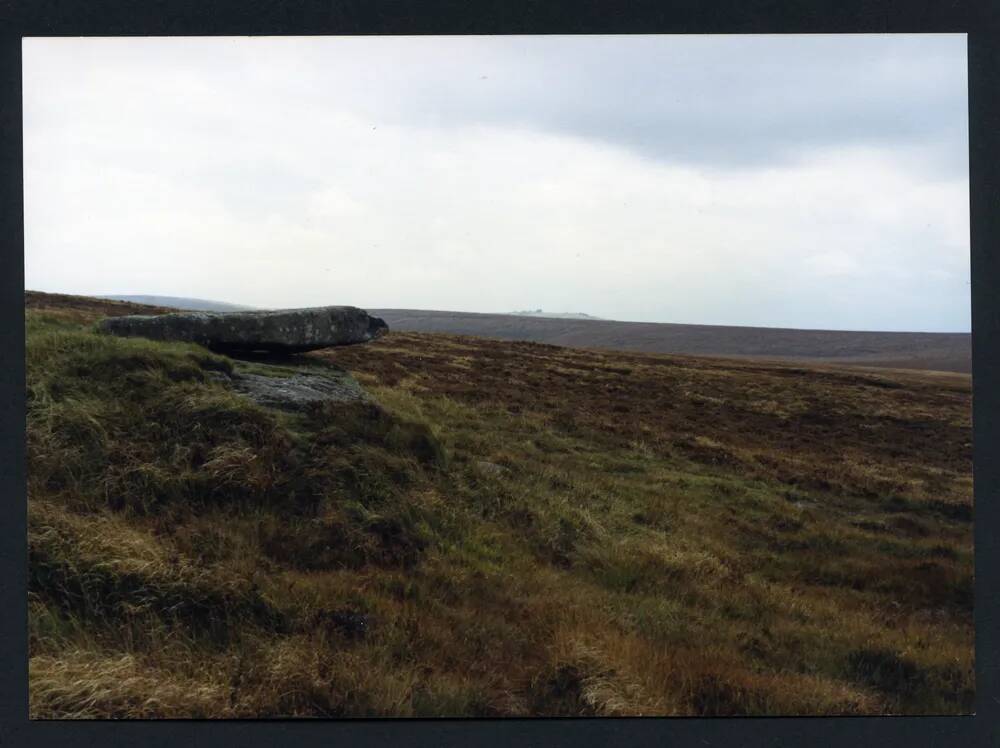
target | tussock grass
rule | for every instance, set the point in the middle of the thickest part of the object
(513, 530)
(88, 685)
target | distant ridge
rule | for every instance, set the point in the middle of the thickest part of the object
(181, 302)
(898, 350)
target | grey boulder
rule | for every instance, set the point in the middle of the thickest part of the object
(279, 331)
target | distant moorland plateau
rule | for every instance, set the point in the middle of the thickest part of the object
(903, 350)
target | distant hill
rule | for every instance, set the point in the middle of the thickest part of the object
(903, 350)
(554, 315)
(180, 302)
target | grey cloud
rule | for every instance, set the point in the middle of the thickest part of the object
(721, 101)
(716, 101)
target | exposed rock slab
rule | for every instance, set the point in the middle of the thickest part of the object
(297, 390)
(280, 331)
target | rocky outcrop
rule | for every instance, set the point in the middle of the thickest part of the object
(299, 391)
(280, 331)
(293, 389)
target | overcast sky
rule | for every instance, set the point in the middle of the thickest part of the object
(796, 181)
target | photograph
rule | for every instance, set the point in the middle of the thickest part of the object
(498, 376)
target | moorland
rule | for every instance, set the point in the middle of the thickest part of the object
(506, 529)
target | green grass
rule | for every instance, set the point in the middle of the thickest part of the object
(193, 554)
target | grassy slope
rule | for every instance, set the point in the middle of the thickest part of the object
(519, 530)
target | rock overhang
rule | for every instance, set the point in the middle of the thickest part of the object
(278, 331)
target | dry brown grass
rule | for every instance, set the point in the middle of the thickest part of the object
(659, 535)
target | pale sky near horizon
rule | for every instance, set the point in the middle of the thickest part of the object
(786, 181)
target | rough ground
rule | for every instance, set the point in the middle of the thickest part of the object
(517, 529)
